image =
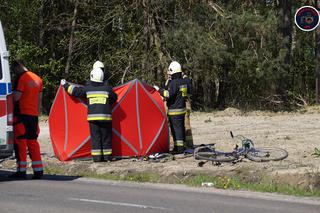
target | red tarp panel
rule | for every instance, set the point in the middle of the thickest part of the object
(139, 123)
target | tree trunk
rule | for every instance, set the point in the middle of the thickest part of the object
(223, 86)
(209, 92)
(41, 25)
(286, 31)
(317, 52)
(19, 31)
(161, 67)
(224, 78)
(71, 40)
(146, 42)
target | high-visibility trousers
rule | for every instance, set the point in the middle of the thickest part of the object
(177, 129)
(101, 140)
(26, 130)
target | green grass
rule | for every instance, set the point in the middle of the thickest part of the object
(54, 169)
(135, 177)
(316, 152)
(220, 182)
(235, 183)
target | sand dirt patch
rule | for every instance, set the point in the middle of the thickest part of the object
(298, 133)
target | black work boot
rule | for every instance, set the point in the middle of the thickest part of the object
(20, 175)
(178, 150)
(97, 158)
(107, 158)
(37, 175)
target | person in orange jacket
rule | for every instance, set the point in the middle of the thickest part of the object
(27, 98)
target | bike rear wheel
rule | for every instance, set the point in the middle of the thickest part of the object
(266, 154)
(209, 154)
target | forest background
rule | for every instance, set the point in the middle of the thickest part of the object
(247, 54)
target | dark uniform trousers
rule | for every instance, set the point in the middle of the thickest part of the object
(100, 99)
(101, 140)
(177, 127)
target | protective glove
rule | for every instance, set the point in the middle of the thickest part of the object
(63, 82)
(156, 87)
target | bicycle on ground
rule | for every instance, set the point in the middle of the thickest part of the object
(247, 150)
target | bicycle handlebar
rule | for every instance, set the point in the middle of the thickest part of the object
(231, 134)
(242, 138)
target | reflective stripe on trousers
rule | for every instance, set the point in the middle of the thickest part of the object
(96, 152)
(37, 166)
(21, 166)
(99, 117)
(179, 143)
(101, 152)
(177, 111)
(34, 152)
(106, 151)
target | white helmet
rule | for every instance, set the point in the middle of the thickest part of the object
(96, 75)
(174, 67)
(98, 64)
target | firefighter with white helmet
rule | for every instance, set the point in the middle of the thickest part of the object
(100, 98)
(175, 94)
(174, 67)
(96, 75)
(99, 64)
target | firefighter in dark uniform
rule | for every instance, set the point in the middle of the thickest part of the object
(100, 99)
(175, 94)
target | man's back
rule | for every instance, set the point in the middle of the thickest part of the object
(30, 85)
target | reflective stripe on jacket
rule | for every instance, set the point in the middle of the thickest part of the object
(175, 92)
(100, 99)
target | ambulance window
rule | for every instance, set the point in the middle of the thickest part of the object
(0, 70)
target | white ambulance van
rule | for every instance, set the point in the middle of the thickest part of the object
(6, 101)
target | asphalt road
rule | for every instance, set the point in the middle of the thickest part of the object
(75, 195)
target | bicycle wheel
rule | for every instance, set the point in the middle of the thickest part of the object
(266, 154)
(209, 154)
